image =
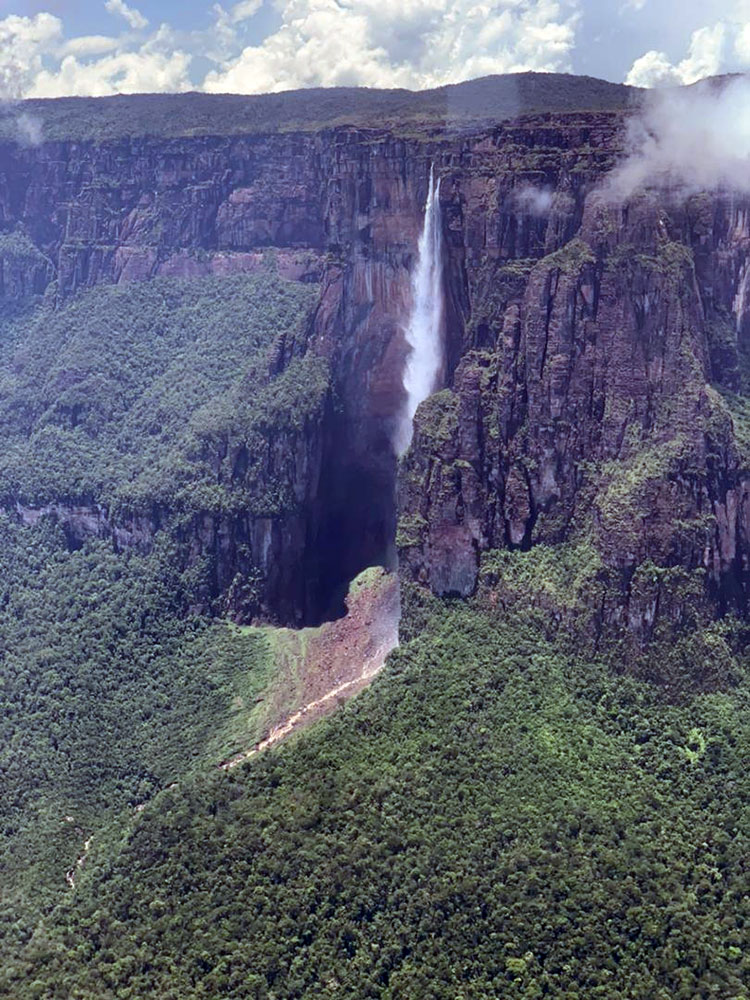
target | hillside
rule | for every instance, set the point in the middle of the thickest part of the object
(498, 815)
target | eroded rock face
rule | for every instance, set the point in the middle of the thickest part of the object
(587, 412)
(253, 564)
(584, 340)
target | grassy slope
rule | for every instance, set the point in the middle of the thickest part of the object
(170, 115)
(494, 817)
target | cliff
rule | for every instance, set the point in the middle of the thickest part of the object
(593, 350)
(595, 415)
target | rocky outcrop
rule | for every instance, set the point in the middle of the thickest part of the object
(250, 552)
(24, 271)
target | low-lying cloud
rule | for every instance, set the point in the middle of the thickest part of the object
(533, 200)
(689, 139)
(540, 202)
(29, 129)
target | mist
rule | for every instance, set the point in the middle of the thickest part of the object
(688, 139)
(534, 201)
(29, 129)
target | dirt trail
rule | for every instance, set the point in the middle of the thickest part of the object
(70, 876)
(335, 662)
(350, 687)
(317, 668)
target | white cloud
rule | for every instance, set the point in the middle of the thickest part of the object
(135, 19)
(742, 45)
(704, 58)
(154, 67)
(221, 42)
(35, 61)
(244, 9)
(652, 70)
(23, 43)
(696, 139)
(88, 45)
(406, 43)
(376, 43)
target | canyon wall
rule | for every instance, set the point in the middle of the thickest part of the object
(592, 349)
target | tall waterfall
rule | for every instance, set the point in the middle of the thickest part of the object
(739, 305)
(424, 334)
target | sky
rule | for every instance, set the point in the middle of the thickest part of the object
(53, 48)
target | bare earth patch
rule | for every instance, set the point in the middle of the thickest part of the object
(319, 668)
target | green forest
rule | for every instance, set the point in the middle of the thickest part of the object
(494, 817)
(125, 395)
(113, 680)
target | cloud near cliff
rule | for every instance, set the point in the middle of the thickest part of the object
(23, 43)
(714, 48)
(705, 58)
(693, 139)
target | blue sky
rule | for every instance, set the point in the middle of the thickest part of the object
(54, 47)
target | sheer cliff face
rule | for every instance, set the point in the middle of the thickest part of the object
(589, 412)
(586, 342)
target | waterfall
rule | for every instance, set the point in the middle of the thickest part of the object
(424, 333)
(739, 305)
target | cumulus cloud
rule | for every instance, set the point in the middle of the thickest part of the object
(23, 43)
(244, 9)
(691, 139)
(135, 19)
(704, 58)
(157, 65)
(401, 43)
(378, 43)
(221, 43)
(742, 45)
(122, 73)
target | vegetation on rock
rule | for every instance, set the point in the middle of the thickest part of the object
(136, 395)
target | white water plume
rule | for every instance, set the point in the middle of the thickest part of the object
(424, 334)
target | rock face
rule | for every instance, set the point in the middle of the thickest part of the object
(587, 412)
(592, 348)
